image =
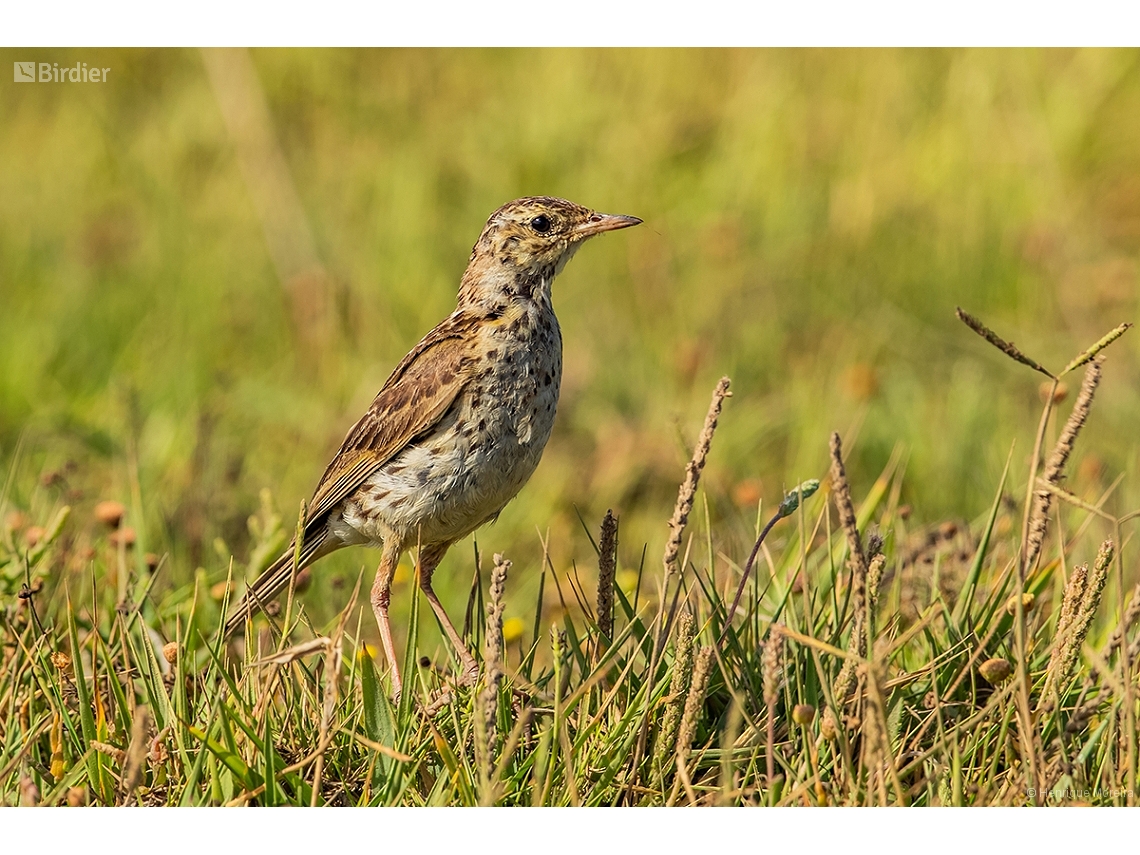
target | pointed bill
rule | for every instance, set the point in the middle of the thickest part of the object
(599, 223)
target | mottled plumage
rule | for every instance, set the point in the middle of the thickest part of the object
(460, 425)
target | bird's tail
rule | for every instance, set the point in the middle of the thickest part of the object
(273, 580)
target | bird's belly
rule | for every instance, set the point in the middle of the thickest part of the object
(458, 477)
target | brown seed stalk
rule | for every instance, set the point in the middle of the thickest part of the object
(857, 561)
(702, 665)
(1006, 347)
(486, 732)
(1082, 597)
(607, 567)
(770, 670)
(678, 684)
(1055, 465)
(688, 488)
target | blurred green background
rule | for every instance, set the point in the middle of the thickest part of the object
(210, 263)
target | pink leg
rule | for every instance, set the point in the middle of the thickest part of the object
(381, 595)
(429, 559)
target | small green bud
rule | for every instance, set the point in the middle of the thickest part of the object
(793, 499)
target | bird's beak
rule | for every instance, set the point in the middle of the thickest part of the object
(599, 223)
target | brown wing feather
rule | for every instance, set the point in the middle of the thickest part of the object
(422, 388)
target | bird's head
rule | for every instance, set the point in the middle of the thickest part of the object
(526, 243)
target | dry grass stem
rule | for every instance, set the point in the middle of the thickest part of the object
(770, 670)
(837, 690)
(1055, 465)
(688, 488)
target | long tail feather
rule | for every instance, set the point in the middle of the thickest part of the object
(273, 580)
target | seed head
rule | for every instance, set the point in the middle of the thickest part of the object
(110, 513)
(170, 652)
(792, 500)
(827, 727)
(124, 537)
(995, 671)
(1028, 600)
(1058, 395)
(803, 714)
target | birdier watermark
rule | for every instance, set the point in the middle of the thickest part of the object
(1063, 794)
(51, 72)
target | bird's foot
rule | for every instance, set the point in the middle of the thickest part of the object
(439, 699)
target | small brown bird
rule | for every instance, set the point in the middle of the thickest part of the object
(460, 425)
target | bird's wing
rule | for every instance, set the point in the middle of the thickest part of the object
(422, 388)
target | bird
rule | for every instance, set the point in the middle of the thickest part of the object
(460, 425)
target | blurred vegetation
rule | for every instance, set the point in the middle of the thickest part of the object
(812, 220)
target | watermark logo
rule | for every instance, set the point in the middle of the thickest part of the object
(51, 72)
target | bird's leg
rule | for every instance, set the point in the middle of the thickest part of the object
(381, 595)
(429, 558)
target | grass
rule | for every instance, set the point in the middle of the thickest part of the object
(190, 341)
(995, 669)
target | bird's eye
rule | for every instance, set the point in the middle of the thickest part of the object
(541, 224)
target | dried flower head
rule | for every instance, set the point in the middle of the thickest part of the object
(110, 513)
(33, 535)
(827, 726)
(803, 714)
(1028, 601)
(124, 537)
(170, 652)
(1046, 390)
(995, 670)
(61, 661)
